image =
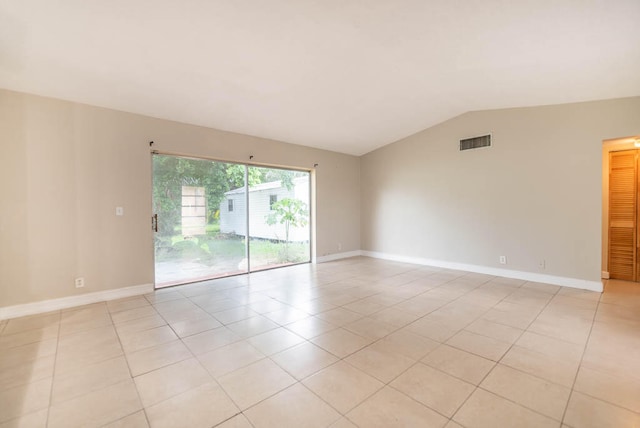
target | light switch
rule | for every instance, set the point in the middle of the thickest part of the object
(119, 211)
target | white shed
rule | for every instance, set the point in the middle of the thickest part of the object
(261, 197)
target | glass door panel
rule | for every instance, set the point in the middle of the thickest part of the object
(201, 219)
(279, 231)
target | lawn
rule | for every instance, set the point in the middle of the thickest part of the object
(225, 251)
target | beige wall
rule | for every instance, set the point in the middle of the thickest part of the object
(534, 195)
(65, 167)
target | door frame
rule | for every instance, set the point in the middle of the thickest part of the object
(311, 207)
(608, 146)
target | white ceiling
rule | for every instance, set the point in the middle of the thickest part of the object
(343, 75)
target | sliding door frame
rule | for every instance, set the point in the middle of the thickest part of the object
(246, 165)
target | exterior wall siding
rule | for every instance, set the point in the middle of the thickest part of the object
(260, 207)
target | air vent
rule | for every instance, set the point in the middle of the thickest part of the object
(475, 142)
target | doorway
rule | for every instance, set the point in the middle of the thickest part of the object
(213, 219)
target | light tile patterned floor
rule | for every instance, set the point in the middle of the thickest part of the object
(352, 343)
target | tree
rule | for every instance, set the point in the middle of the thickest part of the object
(170, 173)
(235, 175)
(290, 213)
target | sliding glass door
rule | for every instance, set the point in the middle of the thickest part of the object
(278, 218)
(204, 210)
(189, 196)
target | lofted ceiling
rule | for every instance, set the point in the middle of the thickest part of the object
(347, 75)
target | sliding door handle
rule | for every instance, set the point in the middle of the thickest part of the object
(154, 223)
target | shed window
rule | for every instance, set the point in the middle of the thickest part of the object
(230, 205)
(272, 200)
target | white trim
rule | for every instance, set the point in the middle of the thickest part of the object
(43, 306)
(527, 276)
(71, 301)
(337, 256)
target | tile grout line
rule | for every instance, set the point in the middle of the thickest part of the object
(584, 350)
(540, 378)
(124, 355)
(450, 418)
(55, 364)
(144, 409)
(506, 352)
(386, 290)
(193, 355)
(343, 359)
(419, 361)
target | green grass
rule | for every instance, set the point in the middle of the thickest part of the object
(215, 248)
(210, 229)
(213, 229)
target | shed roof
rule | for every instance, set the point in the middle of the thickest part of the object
(267, 186)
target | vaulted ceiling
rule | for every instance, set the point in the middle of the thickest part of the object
(347, 75)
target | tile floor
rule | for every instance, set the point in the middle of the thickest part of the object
(352, 343)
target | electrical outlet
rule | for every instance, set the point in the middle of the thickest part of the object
(542, 264)
(119, 210)
(503, 260)
(79, 282)
(339, 246)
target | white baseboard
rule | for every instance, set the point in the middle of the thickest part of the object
(337, 256)
(508, 273)
(71, 301)
(43, 306)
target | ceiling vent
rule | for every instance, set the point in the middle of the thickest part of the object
(475, 142)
